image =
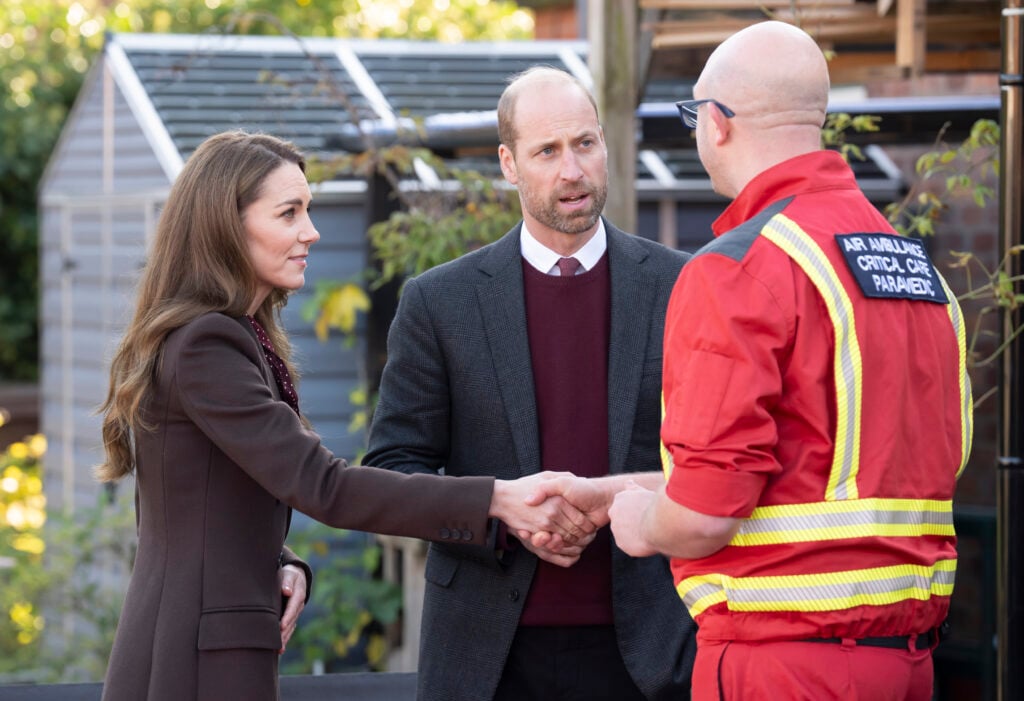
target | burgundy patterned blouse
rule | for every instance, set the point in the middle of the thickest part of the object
(277, 366)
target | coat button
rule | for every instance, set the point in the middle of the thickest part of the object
(513, 595)
(467, 535)
(445, 533)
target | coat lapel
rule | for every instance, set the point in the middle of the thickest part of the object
(632, 306)
(503, 310)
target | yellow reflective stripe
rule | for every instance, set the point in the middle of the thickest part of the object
(826, 591)
(787, 235)
(666, 456)
(852, 518)
(956, 317)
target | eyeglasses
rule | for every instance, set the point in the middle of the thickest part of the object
(688, 110)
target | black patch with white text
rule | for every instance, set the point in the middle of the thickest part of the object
(891, 267)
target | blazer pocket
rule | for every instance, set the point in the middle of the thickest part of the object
(441, 568)
(230, 629)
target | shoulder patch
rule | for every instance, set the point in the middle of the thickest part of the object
(736, 242)
(888, 266)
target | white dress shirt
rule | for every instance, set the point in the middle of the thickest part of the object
(546, 261)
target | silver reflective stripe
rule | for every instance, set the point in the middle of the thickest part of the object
(828, 591)
(872, 589)
(846, 519)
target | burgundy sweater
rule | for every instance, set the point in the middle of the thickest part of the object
(568, 322)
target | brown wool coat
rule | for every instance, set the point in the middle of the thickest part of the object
(217, 478)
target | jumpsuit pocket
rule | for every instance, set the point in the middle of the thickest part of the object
(228, 629)
(704, 385)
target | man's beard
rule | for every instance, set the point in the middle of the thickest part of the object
(546, 210)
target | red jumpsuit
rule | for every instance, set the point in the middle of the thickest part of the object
(815, 386)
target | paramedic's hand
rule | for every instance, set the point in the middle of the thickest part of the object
(627, 514)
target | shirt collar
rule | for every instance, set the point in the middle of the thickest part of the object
(546, 261)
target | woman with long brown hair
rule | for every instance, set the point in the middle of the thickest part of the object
(203, 410)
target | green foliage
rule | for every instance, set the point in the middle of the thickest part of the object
(838, 125)
(946, 172)
(435, 227)
(350, 603)
(49, 577)
(996, 291)
(43, 55)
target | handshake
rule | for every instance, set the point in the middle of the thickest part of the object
(556, 515)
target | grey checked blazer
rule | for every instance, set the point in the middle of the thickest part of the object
(457, 396)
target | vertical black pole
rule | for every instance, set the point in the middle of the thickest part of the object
(380, 203)
(1010, 473)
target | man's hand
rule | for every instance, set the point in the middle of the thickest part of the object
(629, 509)
(563, 555)
(590, 496)
(293, 586)
(515, 503)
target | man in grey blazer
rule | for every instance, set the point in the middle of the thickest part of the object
(507, 362)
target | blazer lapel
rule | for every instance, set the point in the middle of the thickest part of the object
(632, 306)
(503, 310)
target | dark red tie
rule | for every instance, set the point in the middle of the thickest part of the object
(277, 366)
(567, 267)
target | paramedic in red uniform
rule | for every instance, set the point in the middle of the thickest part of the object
(817, 408)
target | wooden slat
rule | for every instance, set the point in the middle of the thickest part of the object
(911, 35)
(861, 67)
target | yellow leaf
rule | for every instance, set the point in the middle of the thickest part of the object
(37, 445)
(340, 308)
(29, 543)
(21, 614)
(376, 647)
(33, 485)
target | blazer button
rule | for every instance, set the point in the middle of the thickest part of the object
(467, 535)
(445, 533)
(513, 595)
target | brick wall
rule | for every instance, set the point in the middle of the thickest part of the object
(555, 23)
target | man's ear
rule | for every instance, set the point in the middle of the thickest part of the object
(508, 164)
(720, 123)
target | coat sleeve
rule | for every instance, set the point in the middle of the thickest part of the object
(215, 369)
(411, 428)
(412, 423)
